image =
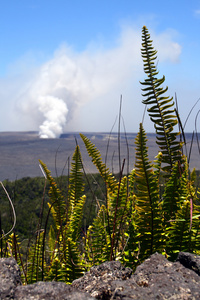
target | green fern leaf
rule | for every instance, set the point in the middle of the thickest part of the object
(56, 271)
(56, 200)
(98, 241)
(161, 110)
(171, 199)
(34, 268)
(148, 217)
(184, 228)
(76, 186)
(73, 264)
(94, 153)
(73, 227)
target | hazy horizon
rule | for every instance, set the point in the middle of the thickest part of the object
(68, 132)
(20, 152)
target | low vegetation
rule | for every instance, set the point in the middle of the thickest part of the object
(128, 217)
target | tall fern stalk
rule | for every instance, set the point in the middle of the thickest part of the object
(160, 107)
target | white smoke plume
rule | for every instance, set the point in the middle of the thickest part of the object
(70, 79)
(55, 111)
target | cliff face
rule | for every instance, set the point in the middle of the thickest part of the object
(155, 278)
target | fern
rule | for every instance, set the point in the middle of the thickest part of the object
(51, 239)
(149, 215)
(184, 229)
(171, 195)
(108, 236)
(161, 110)
(73, 265)
(181, 236)
(119, 211)
(55, 272)
(95, 154)
(76, 199)
(66, 262)
(56, 199)
(98, 240)
(68, 269)
(76, 187)
(34, 268)
(75, 221)
(131, 249)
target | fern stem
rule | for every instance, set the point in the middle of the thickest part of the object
(152, 83)
(119, 130)
(149, 192)
(116, 207)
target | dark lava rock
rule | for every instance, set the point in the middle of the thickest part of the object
(9, 277)
(162, 279)
(98, 281)
(155, 278)
(190, 261)
(49, 291)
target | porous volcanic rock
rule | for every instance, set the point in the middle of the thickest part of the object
(190, 261)
(98, 282)
(155, 278)
(162, 279)
(9, 277)
(49, 291)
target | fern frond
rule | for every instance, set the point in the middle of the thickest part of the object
(98, 241)
(119, 213)
(73, 264)
(76, 200)
(56, 199)
(66, 261)
(117, 201)
(131, 251)
(95, 154)
(181, 236)
(171, 200)
(56, 272)
(34, 270)
(67, 269)
(184, 228)
(149, 215)
(76, 186)
(161, 110)
(73, 227)
(51, 239)
(157, 165)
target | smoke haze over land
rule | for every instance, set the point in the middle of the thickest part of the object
(74, 90)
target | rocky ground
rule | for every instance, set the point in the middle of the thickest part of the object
(155, 278)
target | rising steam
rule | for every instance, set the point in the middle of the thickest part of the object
(55, 111)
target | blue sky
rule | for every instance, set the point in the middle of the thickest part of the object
(64, 64)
